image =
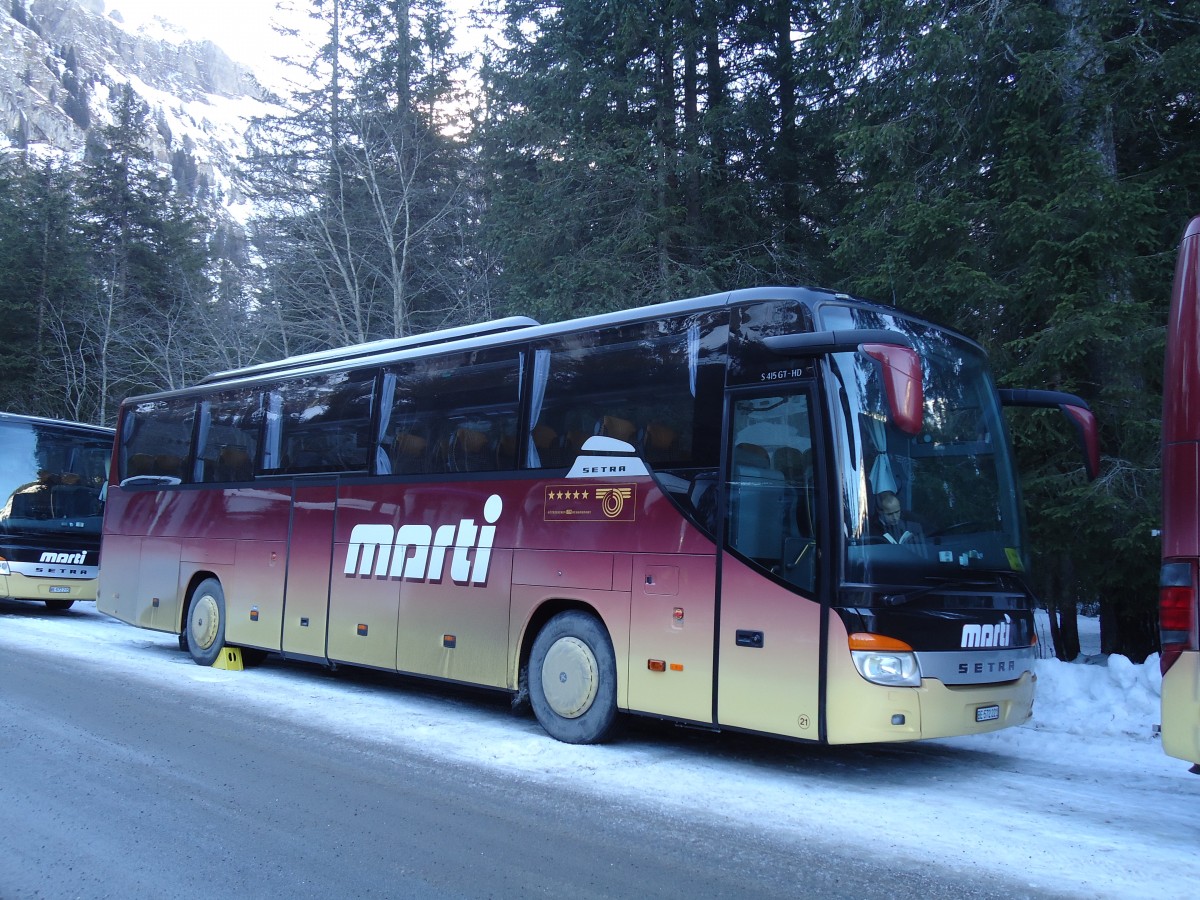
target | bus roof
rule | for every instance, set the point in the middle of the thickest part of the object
(55, 423)
(504, 331)
(373, 348)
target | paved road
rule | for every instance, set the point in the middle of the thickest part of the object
(119, 787)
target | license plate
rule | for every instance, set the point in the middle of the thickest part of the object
(60, 590)
(987, 713)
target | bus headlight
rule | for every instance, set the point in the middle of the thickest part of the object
(884, 660)
(4, 566)
(892, 669)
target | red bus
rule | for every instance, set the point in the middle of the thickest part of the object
(1178, 612)
(778, 510)
(52, 480)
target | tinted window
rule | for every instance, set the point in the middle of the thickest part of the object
(451, 414)
(637, 383)
(50, 479)
(156, 439)
(320, 424)
(230, 424)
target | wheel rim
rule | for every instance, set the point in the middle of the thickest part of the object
(203, 622)
(570, 677)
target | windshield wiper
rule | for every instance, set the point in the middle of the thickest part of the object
(948, 583)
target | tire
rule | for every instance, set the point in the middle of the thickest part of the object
(573, 679)
(59, 605)
(205, 625)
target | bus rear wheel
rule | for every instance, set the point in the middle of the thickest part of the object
(205, 627)
(573, 679)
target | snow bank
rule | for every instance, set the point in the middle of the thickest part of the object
(1110, 696)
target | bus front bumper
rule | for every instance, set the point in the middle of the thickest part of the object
(24, 587)
(870, 713)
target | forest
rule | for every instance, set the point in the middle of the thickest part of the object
(1020, 170)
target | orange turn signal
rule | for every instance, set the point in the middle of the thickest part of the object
(863, 640)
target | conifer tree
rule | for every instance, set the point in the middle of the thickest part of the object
(148, 260)
(1019, 170)
(365, 234)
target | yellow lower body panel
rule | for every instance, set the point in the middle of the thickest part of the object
(860, 712)
(21, 587)
(1181, 709)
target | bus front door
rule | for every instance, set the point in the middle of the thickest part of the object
(770, 621)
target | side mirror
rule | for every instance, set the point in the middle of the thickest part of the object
(892, 350)
(902, 384)
(1077, 412)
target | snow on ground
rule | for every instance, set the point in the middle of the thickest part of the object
(1081, 801)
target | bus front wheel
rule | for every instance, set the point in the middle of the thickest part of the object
(206, 622)
(573, 679)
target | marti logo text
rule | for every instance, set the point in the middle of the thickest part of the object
(418, 552)
(998, 635)
(64, 559)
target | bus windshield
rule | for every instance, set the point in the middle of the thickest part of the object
(934, 507)
(50, 479)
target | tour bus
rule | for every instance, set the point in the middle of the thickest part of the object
(682, 511)
(52, 478)
(1178, 609)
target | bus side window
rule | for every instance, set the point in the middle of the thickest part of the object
(409, 451)
(229, 436)
(659, 441)
(324, 423)
(452, 414)
(770, 508)
(156, 439)
(634, 383)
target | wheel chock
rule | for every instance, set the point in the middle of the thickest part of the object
(229, 658)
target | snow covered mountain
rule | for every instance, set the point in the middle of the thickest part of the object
(62, 60)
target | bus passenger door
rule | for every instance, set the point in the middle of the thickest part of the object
(770, 620)
(310, 550)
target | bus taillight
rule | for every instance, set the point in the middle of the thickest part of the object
(1176, 611)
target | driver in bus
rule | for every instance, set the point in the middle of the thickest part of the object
(890, 523)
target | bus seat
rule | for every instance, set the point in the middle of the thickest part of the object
(658, 440)
(751, 456)
(549, 447)
(169, 465)
(544, 437)
(617, 427)
(759, 511)
(140, 464)
(408, 453)
(468, 450)
(233, 464)
(792, 463)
